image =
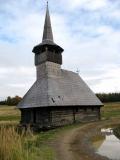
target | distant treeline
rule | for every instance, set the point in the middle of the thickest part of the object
(11, 101)
(104, 97)
(109, 97)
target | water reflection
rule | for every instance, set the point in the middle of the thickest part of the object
(109, 146)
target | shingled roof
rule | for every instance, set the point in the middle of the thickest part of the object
(65, 88)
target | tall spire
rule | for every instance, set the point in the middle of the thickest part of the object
(47, 33)
(48, 42)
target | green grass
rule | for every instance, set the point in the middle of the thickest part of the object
(110, 110)
(9, 113)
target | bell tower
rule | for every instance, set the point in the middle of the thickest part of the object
(47, 51)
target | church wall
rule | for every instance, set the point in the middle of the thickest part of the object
(26, 116)
(86, 114)
(60, 116)
(43, 117)
(69, 115)
(39, 116)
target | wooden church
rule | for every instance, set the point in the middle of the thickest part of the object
(58, 97)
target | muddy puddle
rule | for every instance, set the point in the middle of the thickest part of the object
(107, 143)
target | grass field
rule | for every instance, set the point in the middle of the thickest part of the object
(9, 114)
(110, 110)
(36, 146)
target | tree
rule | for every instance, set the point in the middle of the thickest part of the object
(11, 101)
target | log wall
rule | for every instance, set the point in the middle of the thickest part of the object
(60, 116)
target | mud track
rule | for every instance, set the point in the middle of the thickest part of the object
(75, 144)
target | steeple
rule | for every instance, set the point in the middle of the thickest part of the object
(47, 50)
(47, 33)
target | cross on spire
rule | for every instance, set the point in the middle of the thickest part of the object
(47, 33)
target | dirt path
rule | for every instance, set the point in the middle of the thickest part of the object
(74, 144)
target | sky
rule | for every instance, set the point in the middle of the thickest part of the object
(88, 30)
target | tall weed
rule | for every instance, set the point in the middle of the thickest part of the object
(12, 144)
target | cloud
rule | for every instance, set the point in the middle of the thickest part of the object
(15, 81)
(88, 30)
(110, 83)
(86, 4)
